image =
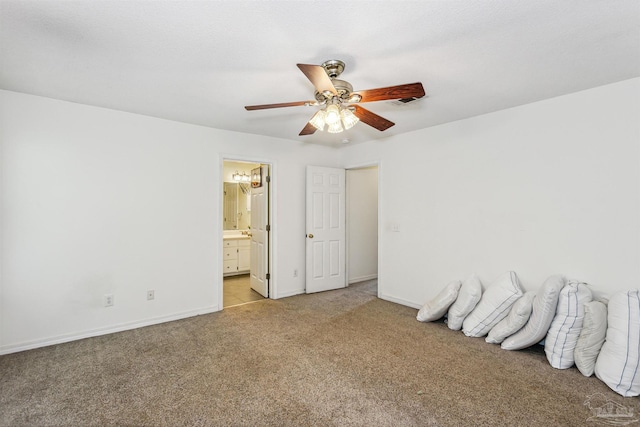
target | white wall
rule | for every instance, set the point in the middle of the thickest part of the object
(96, 201)
(550, 187)
(362, 223)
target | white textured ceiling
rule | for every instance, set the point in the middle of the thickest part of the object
(200, 62)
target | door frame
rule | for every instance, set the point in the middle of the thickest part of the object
(378, 164)
(219, 278)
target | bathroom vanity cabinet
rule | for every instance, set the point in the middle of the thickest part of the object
(236, 256)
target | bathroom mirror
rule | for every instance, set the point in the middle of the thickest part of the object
(236, 206)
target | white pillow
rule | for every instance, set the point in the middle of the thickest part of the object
(517, 318)
(468, 297)
(435, 308)
(618, 363)
(542, 312)
(594, 329)
(494, 305)
(566, 325)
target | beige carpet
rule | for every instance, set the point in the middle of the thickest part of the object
(337, 358)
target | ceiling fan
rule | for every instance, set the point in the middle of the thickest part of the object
(340, 104)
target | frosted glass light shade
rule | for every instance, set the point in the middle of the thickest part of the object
(335, 127)
(317, 121)
(348, 118)
(332, 115)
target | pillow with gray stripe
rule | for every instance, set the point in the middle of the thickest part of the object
(494, 305)
(618, 363)
(517, 318)
(566, 325)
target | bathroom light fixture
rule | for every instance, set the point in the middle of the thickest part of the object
(240, 177)
(336, 117)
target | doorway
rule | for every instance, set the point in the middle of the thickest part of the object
(245, 234)
(362, 224)
(341, 227)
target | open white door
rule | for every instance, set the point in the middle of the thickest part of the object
(325, 221)
(260, 234)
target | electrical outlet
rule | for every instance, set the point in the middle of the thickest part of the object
(108, 300)
(151, 294)
(295, 272)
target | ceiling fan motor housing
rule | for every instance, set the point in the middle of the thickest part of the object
(343, 88)
(333, 67)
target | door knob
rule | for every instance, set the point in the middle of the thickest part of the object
(310, 236)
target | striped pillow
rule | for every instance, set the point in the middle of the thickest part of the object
(618, 363)
(517, 318)
(494, 305)
(566, 325)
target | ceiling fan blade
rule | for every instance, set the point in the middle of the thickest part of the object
(284, 104)
(412, 90)
(372, 119)
(308, 129)
(318, 77)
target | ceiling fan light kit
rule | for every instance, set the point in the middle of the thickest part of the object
(335, 95)
(337, 119)
(349, 119)
(318, 120)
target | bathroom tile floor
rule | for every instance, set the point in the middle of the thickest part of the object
(237, 290)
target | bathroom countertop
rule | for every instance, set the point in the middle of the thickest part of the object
(235, 237)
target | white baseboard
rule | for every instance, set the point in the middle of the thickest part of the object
(399, 301)
(29, 345)
(363, 278)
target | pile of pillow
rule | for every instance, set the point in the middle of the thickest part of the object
(575, 328)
